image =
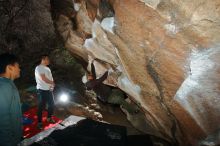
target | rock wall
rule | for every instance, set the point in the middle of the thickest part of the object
(27, 30)
(164, 54)
(24, 25)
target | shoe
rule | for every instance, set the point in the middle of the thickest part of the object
(50, 120)
(40, 126)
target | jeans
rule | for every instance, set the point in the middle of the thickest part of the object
(45, 97)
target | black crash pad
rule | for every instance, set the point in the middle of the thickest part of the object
(86, 133)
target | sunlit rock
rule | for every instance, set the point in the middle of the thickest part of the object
(73, 41)
(76, 6)
(84, 23)
(99, 46)
(108, 24)
(151, 3)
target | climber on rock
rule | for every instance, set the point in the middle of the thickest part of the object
(105, 93)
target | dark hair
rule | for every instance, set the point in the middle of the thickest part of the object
(44, 56)
(7, 59)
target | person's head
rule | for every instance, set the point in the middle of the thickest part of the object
(87, 77)
(9, 66)
(45, 59)
(90, 77)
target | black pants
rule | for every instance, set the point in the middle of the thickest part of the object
(44, 97)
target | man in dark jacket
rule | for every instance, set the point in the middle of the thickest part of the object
(10, 109)
(105, 93)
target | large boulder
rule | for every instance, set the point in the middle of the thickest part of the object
(164, 54)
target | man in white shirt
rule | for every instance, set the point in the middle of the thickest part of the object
(45, 85)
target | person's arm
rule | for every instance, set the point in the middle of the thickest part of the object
(6, 131)
(45, 79)
(96, 82)
(93, 71)
(102, 78)
(41, 71)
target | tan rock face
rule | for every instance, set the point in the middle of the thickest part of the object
(164, 54)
